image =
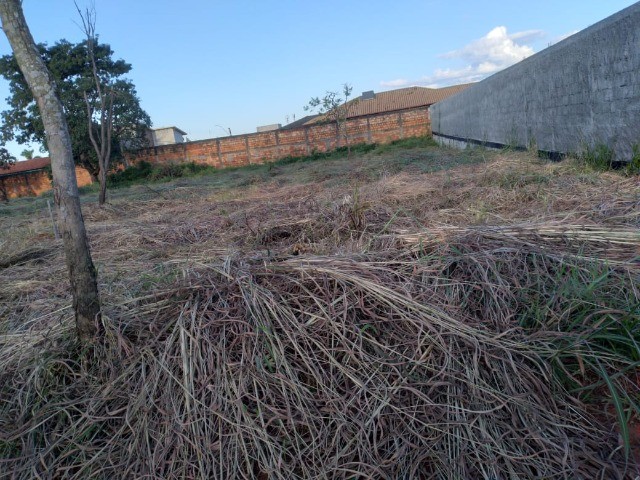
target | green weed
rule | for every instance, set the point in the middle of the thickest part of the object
(413, 142)
(599, 157)
(633, 167)
(513, 180)
(599, 332)
(145, 171)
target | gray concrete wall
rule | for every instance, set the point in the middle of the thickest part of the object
(580, 92)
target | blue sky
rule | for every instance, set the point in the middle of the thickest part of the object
(206, 66)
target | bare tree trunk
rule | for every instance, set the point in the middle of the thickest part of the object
(102, 197)
(82, 273)
(346, 138)
(346, 90)
(101, 145)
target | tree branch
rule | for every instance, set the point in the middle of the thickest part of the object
(90, 125)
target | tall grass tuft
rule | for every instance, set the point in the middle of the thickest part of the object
(469, 357)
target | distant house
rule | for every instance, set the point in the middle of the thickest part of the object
(374, 118)
(299, 123)
(370, 103)
(268, 128)
(165, 136)
(31, 177)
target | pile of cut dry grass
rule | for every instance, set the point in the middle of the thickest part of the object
(561, 240)
(385, 365)
(378, 331)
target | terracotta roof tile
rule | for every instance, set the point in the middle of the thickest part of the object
(299, 123)
(26, 165)
(399, 99)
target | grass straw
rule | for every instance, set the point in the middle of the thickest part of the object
(319, 330)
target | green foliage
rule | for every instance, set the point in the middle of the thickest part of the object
(582, 294)
(137, 172)
(333, 105)
(335, 108)
(516, 180)
(633, 167)
(27, 153)
(331, 166)
(6, 159)
(167, 171)
(598, 321)
(599, 157)
(159, 276)
(71, 70)
(602, 158)
(412, 142)
(336, 153)
(144, 171)
(360, 148)
(289, 159)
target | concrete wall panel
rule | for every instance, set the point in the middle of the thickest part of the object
(573, 95)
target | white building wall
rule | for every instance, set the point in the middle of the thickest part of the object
(166, 136)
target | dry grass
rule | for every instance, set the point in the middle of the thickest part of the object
(393, 317)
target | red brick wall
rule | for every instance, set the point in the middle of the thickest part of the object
(264, 147)
(34, 183)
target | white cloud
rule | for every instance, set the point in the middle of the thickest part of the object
(398, 82)
(495, 51)
(497, 47)
(527, 35)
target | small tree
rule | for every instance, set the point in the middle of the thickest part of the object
(73, 73)
(6, 159)
(336, 107)
(99, 105)
(27, 154)
(82, 273)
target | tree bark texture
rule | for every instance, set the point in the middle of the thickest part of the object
(82, 273)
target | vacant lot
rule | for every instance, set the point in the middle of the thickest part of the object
(411, 312)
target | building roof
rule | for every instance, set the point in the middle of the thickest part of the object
(300, 122)
(399, 99)
(26, 166)
(181, 132)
